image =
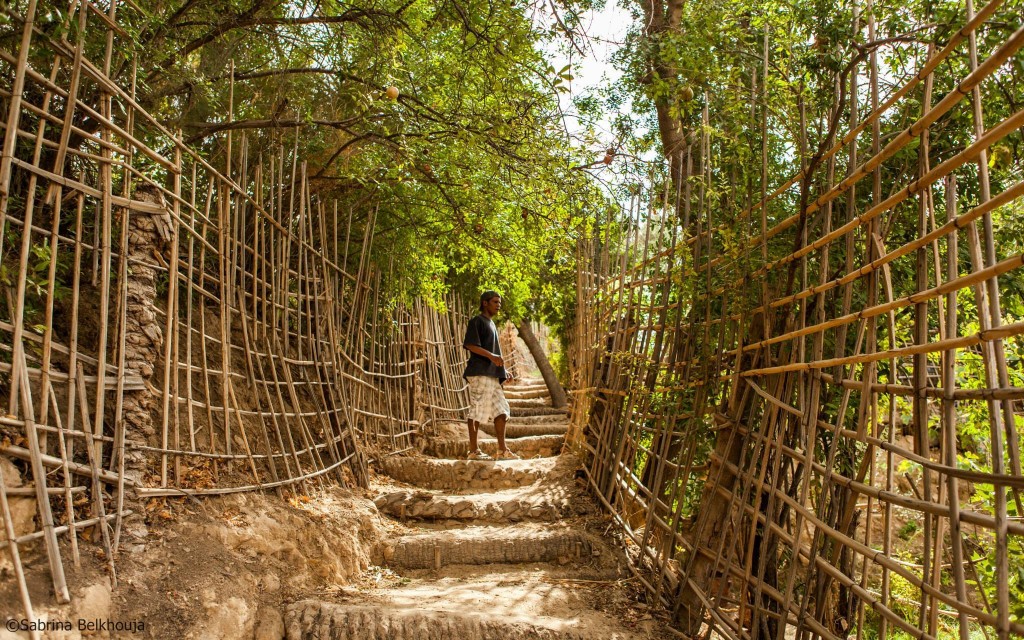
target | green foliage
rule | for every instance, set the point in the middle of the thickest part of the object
(37, 280)
(908, 530)
(469, 171)
(705, 77)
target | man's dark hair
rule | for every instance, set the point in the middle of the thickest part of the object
(487, 295)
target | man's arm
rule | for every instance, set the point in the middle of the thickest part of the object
(480, 351)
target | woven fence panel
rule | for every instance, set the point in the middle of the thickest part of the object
(179, 322)
(801, 399)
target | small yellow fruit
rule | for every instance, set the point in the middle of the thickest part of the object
(392, 93)
(686, 93)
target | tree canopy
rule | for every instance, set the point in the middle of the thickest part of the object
(442, 118)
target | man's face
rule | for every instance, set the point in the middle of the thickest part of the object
(493, 306)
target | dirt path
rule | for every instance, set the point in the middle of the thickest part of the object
(489, 550)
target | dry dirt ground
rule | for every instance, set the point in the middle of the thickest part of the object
(218, 568)
(437, 548)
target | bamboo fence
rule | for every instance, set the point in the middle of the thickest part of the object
(775, 396)
(509, 340)
(171, 327)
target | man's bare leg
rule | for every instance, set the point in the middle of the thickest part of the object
(499, 431)
(474, 429)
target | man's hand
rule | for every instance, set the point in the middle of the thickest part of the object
(498, 361)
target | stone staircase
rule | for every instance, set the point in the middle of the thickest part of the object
(493, 550)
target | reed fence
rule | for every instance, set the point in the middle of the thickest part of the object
(805, 422)
(509, 341)
(171, 327)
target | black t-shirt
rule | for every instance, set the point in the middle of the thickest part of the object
(482, 333)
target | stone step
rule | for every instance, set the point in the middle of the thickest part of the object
(528, 403)
(525, 447)
(518, 544)
(433, 473)
(549, 587)
(527, 393)
(527, 383)
(521, 412)
(528, 430)
(314, 620)
(551, 417)
(538, 418)
(501, 507)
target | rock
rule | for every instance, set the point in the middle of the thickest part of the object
(136, 528)
(23, 513)
(225, 619)
(153, 332)
(23, 508)
(7, 635)
(12, 477)
(269, 625)
(270, 583)
(93, 602)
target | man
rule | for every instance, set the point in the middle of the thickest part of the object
(485, 373)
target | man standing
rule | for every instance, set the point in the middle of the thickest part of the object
(485, 373)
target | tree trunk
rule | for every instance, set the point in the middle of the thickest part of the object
(558, 398)
(716, 516)
(662, 17)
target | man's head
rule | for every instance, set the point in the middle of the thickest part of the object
(490, 302)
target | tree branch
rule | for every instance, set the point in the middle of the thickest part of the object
(251, 18)
(213, 128)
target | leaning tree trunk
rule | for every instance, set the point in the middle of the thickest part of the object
(558, 399)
